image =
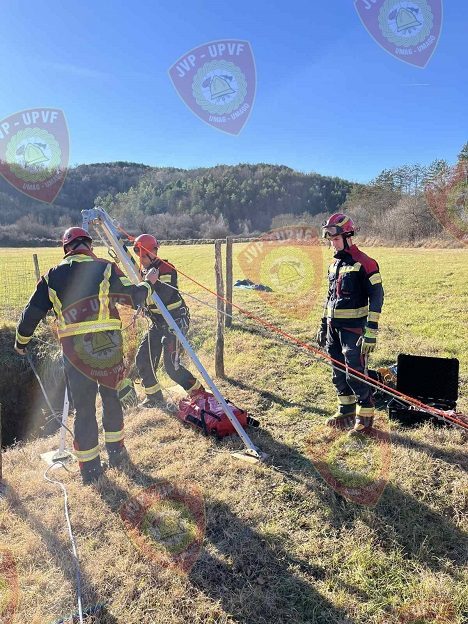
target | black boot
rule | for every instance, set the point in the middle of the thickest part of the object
(117, 457)
(91, 471)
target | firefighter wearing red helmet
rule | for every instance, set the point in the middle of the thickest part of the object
(350, 322)
(160, 339)
(82, 290)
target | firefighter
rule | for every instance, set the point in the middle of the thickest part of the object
(160, 337)
(82, 291)
(350, 323)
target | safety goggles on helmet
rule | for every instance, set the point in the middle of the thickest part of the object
(331, 230)
(338, 224)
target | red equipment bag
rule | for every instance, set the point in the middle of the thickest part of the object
(205, 413)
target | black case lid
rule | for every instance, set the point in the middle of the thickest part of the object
(429, 379)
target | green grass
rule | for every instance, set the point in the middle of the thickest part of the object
(281, 545)
(355, 462)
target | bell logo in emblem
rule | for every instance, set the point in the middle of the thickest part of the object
(34, 151)
(102, 342)
(217, 81)
(406, 21)
(220, 88)
(409, 30)
(33, 155)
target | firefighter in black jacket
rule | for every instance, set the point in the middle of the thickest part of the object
(82, 290)
(350, 323)
(160, 336)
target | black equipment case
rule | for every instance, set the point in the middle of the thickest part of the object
(431, 380)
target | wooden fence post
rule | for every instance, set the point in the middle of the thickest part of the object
(228, 321)
(36, 267)
(219, 347)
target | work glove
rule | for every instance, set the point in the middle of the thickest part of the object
(321, 336)
(368, 340)
(152, 276)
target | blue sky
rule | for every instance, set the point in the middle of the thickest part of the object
(329, 99)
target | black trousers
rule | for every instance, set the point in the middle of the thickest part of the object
(160, 339)
(341, 346)
(83, 391)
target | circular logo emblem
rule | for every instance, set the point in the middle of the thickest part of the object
(428, 612)
(406, 23)
(167, 523)
(99, 349)
(32, 154)
(97, 354)
(285, 267)
(358, 470)
(447, 197)
(219, 87)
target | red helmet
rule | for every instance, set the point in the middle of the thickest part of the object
(144, 244)
(338, 224)
(74, 233)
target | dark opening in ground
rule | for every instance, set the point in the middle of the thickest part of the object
(25, 414)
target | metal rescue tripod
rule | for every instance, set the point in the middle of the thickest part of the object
(109, 234)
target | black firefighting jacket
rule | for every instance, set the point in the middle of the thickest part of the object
(82, 290)
(355, 293)
(167, 290)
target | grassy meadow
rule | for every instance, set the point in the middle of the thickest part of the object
(280, 545)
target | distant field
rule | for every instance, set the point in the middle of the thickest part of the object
(426, 296)
(281, 545)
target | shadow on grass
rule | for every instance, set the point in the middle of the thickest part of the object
(457, 459)
(261, 584)
(59, 552)
(257, 581)
(399, 520)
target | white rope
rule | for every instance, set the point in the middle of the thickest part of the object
(72, 539)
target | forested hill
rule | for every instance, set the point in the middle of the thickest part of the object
(28, 218)
(241, 199)
(176, 203)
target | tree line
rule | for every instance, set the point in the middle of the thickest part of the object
(242, 200)
(394, 206)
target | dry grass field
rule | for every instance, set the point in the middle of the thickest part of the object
(281, 546)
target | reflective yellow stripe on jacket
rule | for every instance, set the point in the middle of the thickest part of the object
(103, 322)
(351, 313)
(171, 306)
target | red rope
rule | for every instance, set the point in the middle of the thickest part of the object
(411, 400)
